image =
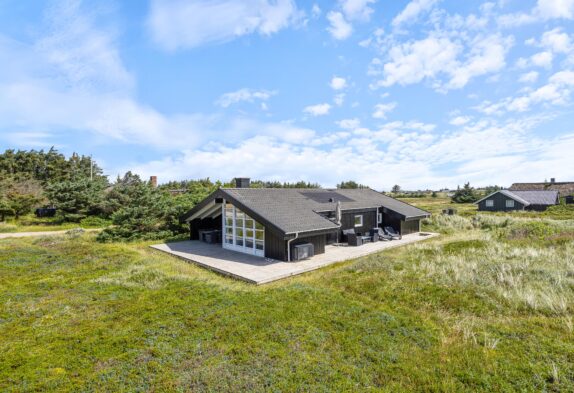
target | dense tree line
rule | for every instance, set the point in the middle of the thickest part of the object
(351, 184)
(277, 184)
(47, 167)
(78, 189)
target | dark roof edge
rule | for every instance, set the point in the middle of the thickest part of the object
(199, 206)
(408, 204)
(348, 210)
(413, 218)
(509, 194)
(312, 232)
(221, 192)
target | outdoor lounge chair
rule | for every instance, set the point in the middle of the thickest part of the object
(382, 235)
(393, 233)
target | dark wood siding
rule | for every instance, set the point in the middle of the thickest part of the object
(410, 227)
(275, 246)
(499, 204)
(318, 242)
(206, 223)
(392, 219)
(369, 220)
(396, 221)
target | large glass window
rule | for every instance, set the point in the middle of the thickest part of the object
(242, 233)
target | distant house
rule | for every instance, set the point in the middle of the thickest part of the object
(507, 200)
(565, 188)
(271, 222)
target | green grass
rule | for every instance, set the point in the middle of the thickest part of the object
(437, 205)
(31, 223)
(485, 308)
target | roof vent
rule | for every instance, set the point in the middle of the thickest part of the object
(331, 199)
(242, 182)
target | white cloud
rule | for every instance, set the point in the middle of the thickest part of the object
(549, 9)
(357, 9)
(244, 95)
(339, 28)
(347, 11)
(57, 87)
(460, 120)
(556, 92)
(557, 41)
(413, 10)
(338, 83)
(339, 99)
(349, 124)
(414, 61)
(529, 77)
(381, 110)
(542, 59)
(316, 10)
(444, 60)
(317, 110)
(411, 152)
(544, 10)
(57, 84)
(486, 55)
(85, 56)
(180, 24)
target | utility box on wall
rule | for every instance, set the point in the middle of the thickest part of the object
(302, 251)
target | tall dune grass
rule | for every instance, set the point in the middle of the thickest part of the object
(527, 262)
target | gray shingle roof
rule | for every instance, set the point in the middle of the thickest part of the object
(287, 209)
(527, 198)
(538, 197)
(295, 210)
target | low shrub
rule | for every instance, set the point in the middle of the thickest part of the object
(483, 221)
(560, 212)
(464, 245)
(444, 223)
(94, 222)
(531, 230)
(114, 234)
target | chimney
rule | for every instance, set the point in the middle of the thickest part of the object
(153, 181)
(242, 182)
(552, 180)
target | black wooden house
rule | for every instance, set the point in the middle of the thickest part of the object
(506, 200)
(270, 222)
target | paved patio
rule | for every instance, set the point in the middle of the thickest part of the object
(258, 270)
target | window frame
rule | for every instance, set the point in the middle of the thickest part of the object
(489, 203)
(360, 217)
(239, 240)
(510, 203)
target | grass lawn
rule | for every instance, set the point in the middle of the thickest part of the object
(31, 223)
(488, 306)
(436, 206)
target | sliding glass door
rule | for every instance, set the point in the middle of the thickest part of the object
(242, 233)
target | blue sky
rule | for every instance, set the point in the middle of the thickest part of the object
(421, 93)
